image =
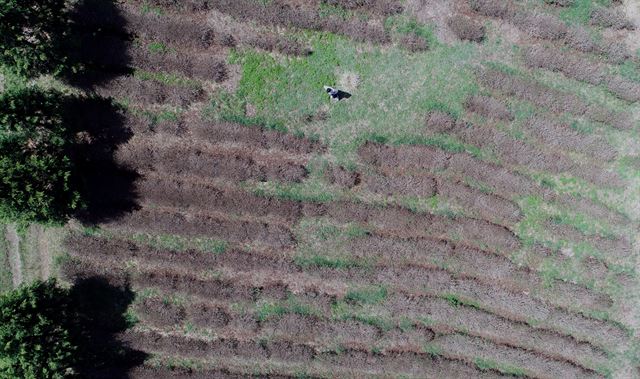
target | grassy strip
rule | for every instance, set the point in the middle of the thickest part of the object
(6, 282)
(165, 241)
(488, 364)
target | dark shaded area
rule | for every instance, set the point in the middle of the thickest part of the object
(98, 53)
(98, 48)
(100, 308)
(107, 188)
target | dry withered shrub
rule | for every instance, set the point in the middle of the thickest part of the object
(414, 42)
(488, 107)
(273, 42)
(383, 7)
(578, 37)
(280, 13)
(579, 68)
(178, 32)
(150, 92)
(540, 25)
(466, 28)
(440, 122)
(342, 177)
(193, 65)
(551, 99)
(623, 88)
(492, 8)
(610, 18)
(616, 52)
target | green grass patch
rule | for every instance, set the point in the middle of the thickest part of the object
(287, 90)
(374, 321)
(580, 10)
(488, 364)
(402, 24)
(149, 8)
(292, 305)
(268, 310)
(307, 191)
(431, 349)
(434, 205)
(326, 10)
(372, 295)
(157, 47)
(628, 70)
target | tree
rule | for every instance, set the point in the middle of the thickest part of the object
(36, 171)
(35, 332)
(32, 33)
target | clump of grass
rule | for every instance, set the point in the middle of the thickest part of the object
(373, 295)
(374, 321)
(307, 191)
(231, 108)
(458, 301)
(268, 310)
(179, 243)
(149, 8)
(329, 10)
(402, 24)
(431, 349)
(434, 204)
(157, 47)
(292, 305)
(488, 364)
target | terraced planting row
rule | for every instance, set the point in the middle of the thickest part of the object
(257, 253)
(244, 290)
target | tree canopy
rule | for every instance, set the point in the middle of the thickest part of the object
(35, 332)
(31, 35)
(36, 170)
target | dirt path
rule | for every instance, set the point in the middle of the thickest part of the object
(11, 234)
(43, 252)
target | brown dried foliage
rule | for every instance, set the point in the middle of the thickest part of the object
(493, 8)
(466, 28)
(610, 18)
(280, 13)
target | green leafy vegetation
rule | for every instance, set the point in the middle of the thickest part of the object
(37, 180)
(579, 11)
(373, 295)
(35, 333)
(487, 364)
(32, 34)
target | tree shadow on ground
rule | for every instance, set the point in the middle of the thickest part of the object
(98, 53)
(98, 48)
(106, 187)
(100, 308)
